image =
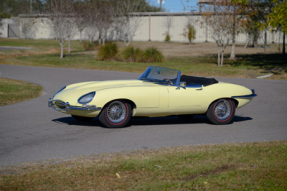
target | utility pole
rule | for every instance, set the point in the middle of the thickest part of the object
(30, 6)
(160, 1)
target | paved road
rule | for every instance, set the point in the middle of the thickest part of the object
(30, 131)
(2, 48)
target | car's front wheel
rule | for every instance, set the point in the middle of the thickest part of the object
(116, 114)
(80, 118)
(221, 111)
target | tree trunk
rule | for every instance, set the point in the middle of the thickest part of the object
(222, 55)
(283, 50)
(255, 43)
(62, 50)
(232, 55)
(100, 37)
(218, 59)
(247, 43)
(80, 36)
(127, 42)
(91, 39)
(69, 46)
(265, 41)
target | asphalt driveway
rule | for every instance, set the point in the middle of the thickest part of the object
(2, 48)
(30, 131)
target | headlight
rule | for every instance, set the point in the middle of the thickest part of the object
(60, 90)
(86, 98)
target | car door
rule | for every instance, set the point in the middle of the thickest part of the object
(185, 98)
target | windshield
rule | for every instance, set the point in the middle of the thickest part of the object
(160, 75)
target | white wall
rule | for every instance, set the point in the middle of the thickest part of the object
(4, 27)
(151, 28)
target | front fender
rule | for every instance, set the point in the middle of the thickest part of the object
(143, 97)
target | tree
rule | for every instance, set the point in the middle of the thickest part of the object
(16, 7)
(189, 32)
(256, 18)
(218, 18)
(80, 15)
(28, 28)
(253, 31)
(167, 24)
(62, 21)
(105, 19)
(128, 18)
(238, 10)
(278, 18)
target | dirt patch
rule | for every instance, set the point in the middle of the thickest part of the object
(177, 49)
(208, 173)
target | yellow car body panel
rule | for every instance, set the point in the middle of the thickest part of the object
(152, 99)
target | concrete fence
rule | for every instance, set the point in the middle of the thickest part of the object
(151, 28)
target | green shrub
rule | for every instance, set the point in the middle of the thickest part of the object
(108, 51)
(89, 45)
(132, 54)
(189, 32)
(151, 55)
(167, 37)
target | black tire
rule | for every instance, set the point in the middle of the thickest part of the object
(186, 117)
(80, 118)
(221, 112)
(116, 114)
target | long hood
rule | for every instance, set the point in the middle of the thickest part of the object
(74, 91)
(101, 85)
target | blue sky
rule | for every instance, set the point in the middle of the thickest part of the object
(176, 5)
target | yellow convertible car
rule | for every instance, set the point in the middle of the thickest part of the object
(158, 92)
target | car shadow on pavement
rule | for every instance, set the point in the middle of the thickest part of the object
(240, 118)
(170, 120)
(72, 121)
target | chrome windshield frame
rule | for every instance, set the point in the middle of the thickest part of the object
(146, 73)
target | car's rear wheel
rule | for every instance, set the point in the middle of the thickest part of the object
(80, 118)
(116, 114)
(221, 111)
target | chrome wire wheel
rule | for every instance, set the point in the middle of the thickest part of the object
(222, 109)
(116, 112)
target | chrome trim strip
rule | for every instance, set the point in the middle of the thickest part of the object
(68, 107)
(245, 96)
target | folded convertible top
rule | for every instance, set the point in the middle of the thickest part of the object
(198, 80)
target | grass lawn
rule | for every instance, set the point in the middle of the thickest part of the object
(197, 59)
(14, 91)
(242, 166)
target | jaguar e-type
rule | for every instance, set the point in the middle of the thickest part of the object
(157, 92)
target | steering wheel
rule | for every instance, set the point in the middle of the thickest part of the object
(168, 81)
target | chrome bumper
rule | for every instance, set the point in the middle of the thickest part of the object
(62, 106)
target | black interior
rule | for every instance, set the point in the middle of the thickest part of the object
(198, 80)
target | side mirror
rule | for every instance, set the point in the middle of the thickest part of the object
(182, 84)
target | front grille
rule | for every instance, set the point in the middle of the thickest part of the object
(59, 104)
